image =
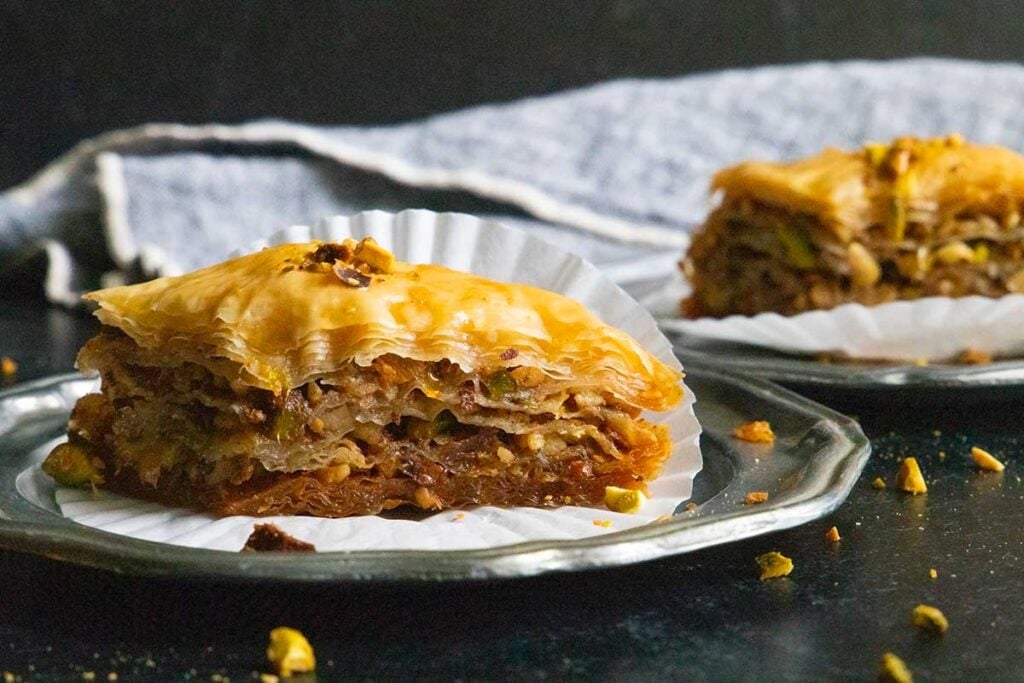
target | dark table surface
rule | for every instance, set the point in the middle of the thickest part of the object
(701, 616)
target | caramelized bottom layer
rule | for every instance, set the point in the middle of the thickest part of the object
(304, 493)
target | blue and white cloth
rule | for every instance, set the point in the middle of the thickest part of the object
(618, 172)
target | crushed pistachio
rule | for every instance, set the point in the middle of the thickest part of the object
(334, 474)
(289, 652)
(864, 269)
(832, 535)
(974, 357)
(72, 464)
(427, 499)
(878, 483)
(773, 565)
(500, 383)
(628, 501)
(986, 461)
(954, 252)
(909, 477)
(930, 619)
(758, 431)
(1015, 283)
(894, 670)
(375, 256)
(800, 251)
(755, 498)
(351, 276)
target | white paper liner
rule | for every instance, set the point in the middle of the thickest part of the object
(933, 328)
(465, 243)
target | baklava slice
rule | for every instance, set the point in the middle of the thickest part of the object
(914, 218)
(330, 379)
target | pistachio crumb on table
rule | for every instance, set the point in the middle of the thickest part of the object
(909, 477)
(986, 461)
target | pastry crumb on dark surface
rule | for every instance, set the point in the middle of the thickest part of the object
(773, 565)
(832, 535)
(894, 670)
(909, 477)
(986, 461)
(930, 619)
(289, 652)
(270, 538)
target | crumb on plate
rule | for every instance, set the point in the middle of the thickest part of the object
(986, 461)
(628, 501)
(930, 619)
(773, 565)
(605, 523)
(878, 483)
(758, 431)
(289, 652)
(894, 670)
(71, 464)
(755, 498)
(271, 538)
(909, 477)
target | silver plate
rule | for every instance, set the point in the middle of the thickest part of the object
(808, 372)
(814, 462)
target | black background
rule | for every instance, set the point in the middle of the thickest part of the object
(69, 70)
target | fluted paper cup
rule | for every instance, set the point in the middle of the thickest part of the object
(933, 328)
(486, 248)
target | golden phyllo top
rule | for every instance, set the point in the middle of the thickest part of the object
(926, 181)
(289, 314)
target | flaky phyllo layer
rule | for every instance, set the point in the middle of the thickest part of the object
(901, 221)
(356, 387)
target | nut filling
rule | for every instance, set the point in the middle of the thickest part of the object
(361, 440)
